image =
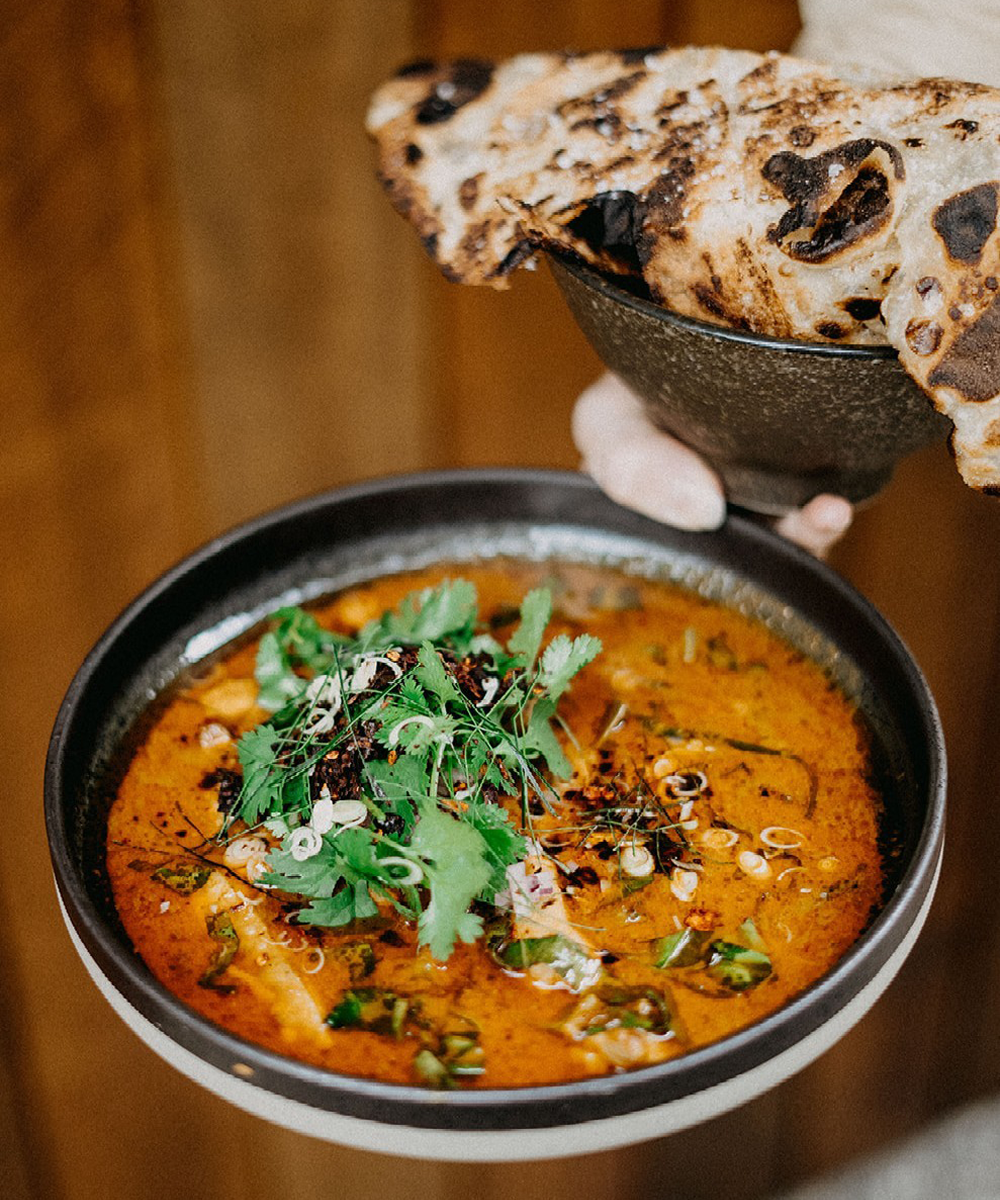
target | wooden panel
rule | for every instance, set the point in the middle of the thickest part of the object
(209, 309)
(303, 292)
(744, 24)
(96, 499)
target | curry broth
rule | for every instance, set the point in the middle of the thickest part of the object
(769, 842)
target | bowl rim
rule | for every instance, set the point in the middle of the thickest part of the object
(507, 1108)
(601, 283)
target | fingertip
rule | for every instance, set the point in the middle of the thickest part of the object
(818, 525)
(640, 466)
(607, 405)
(697, 508)
(661, 479)
(829, 514)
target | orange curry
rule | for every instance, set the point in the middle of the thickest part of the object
(712, 851)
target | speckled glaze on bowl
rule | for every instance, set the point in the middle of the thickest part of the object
(331, 541)
(781, 421)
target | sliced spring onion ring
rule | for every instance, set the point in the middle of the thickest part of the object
(780, 837)
(319, 963)
(412, 872)
(304, 843)
(347, 813)
(691, 783)
(240, 850)
(719, 839)
(753, 864)
(398, 728)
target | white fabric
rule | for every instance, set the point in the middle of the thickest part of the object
(956, 38)
(958, 1159)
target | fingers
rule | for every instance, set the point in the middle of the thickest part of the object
(638, 465)
(818, 525)
(645, 469)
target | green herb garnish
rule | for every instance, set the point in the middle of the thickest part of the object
(685, 948)
(459, 1056)
(736, 968)
(383, 764)
(222, 930)
(357, 957)
(182, 878)
(616, 1006)
(373, 1009)
(715, 966)
(568, 959)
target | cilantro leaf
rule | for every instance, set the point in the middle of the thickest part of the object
(563, 658)
(317, 876)
(414, 733)
(304, 640)
(504, 845)
(399, 785)
(338, 878)
(332, 911)
(431, 673)
(444, 613)
(277, 680)
(540, 738)
(297, 641)
(352, 903)
(262, 781)
(456, 870)
(536, 610)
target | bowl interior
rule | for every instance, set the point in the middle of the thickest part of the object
(327, 543)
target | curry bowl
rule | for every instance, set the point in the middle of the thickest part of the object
(319, 546)
(780, 421)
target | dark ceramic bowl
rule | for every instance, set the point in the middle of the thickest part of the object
(315, 547)
(780, 421)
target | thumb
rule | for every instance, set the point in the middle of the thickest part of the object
(640, 466)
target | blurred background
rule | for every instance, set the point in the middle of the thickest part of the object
(207, 308)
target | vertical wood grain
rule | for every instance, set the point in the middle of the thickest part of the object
(209, 308)
(743, 24)
(303, 295)
(95, 500)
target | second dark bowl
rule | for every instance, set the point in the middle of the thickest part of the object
(780, 421)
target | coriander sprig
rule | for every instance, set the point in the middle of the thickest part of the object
(387, 756)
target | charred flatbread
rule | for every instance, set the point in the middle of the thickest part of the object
(763, 192)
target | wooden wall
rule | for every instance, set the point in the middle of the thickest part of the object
(207, 309)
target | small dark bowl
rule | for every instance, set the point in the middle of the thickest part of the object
(780, 421)
(329, 542)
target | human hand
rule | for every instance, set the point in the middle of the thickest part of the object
(645, 469)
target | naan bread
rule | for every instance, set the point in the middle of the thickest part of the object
(757, 191)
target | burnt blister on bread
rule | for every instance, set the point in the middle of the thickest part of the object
(828, 215)
(611, 223)
(965, 222)
(923, 337)
(971, 364)
(863, 308)
(467, 79)
(637, 54)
